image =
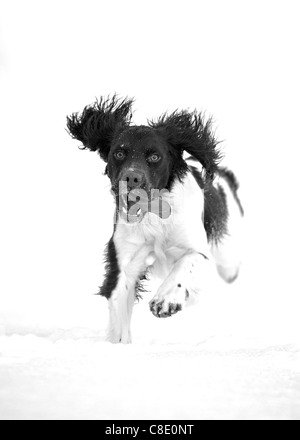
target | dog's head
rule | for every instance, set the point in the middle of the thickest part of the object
(143, 159)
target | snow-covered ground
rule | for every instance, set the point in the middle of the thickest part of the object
(88, 379)
(205, 364)
(236, 354)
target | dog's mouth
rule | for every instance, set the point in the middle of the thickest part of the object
(133, 206)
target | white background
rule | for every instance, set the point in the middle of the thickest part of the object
(237, 60)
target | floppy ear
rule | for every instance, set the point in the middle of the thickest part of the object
(98, 122)
(188, 131)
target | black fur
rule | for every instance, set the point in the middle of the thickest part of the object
(215, 208)
(233, 184)
(97, 125)
(185, 131)
(215, 213)
(140, 288)
(112, 270)
(138, 143)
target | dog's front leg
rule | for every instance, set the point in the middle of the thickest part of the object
(123, 296)
(185, 280)
(120, 309)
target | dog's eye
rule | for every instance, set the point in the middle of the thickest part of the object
(154, 158)
(120, 155)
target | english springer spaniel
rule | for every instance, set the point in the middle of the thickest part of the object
(174, 214)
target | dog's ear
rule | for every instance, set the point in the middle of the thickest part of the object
(96, 126)
(188, 131)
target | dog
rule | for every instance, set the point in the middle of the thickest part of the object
(177, 209)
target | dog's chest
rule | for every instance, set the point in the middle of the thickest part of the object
(162, 242)
(146, 245)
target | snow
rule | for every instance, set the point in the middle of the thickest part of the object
(214, 361)
(82, 379)
(235, 355)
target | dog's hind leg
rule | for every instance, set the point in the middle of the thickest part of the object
(227, 252)
(227, 256)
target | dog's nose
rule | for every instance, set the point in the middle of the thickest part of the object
(134, 179)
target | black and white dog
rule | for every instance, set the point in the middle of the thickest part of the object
(174, 215)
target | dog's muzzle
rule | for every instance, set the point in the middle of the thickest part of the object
(135, 198)
(134, 179)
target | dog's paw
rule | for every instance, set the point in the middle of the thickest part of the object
(167, 303)
(164, 309)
